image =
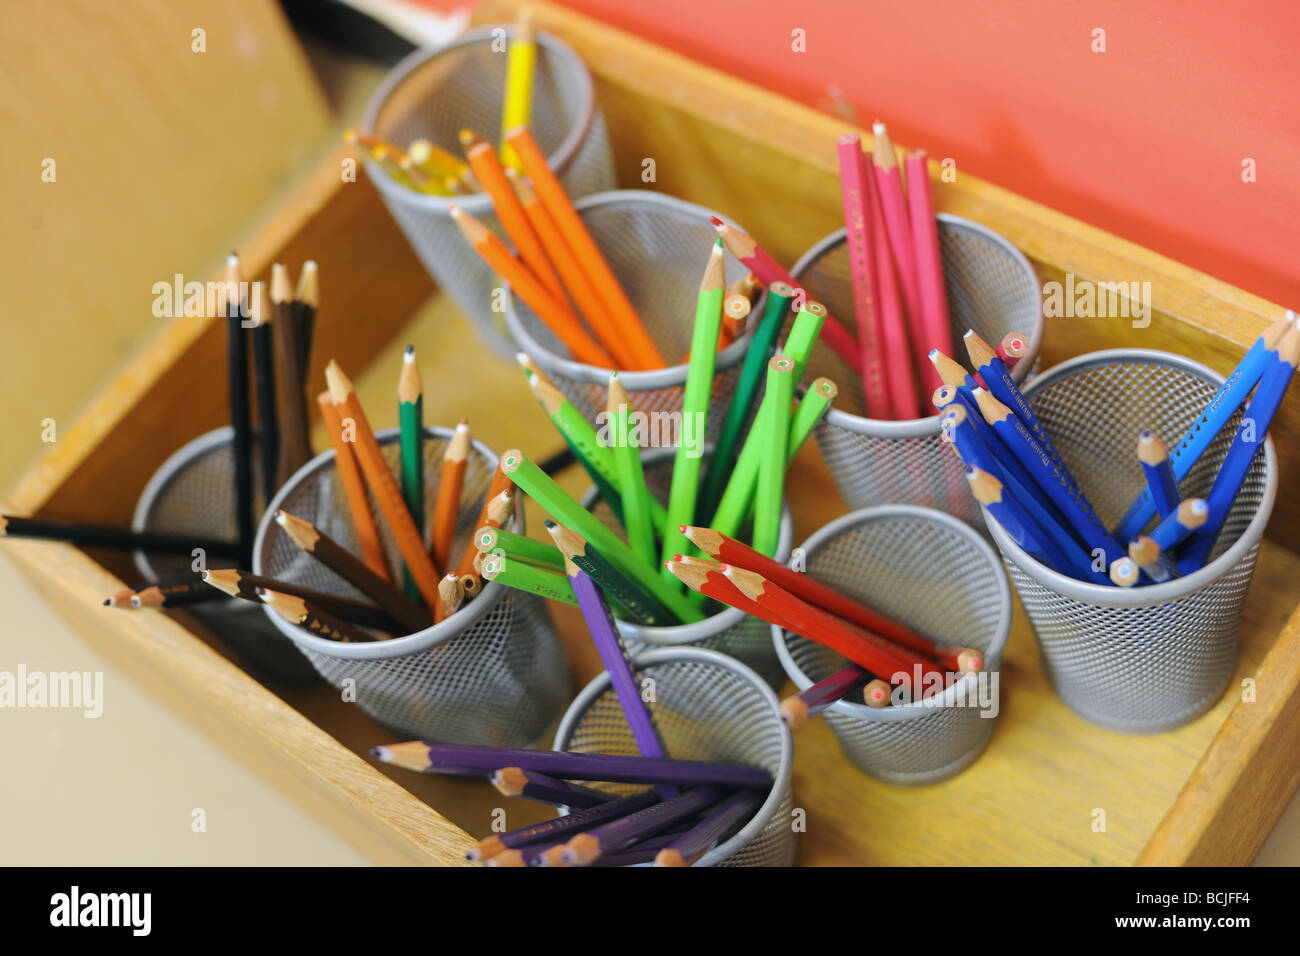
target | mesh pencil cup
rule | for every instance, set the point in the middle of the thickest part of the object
(493, 673)
(935, 574)
(706, 707)
(730, 631)
(434, 94)
(992, 289)
(194, 492)
(1147, 658)
(657, 247)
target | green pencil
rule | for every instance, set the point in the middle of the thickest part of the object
(803, 336)
(738, 500)
(761, 348)
(639, 605)
(528, 577)
(542, 488)
(490, 540)
(775, 428)
(695, 408)
(410, 412)
(631, 476)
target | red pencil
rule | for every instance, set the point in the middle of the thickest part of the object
(898, 226)
(768, 270)
(932, 326)
(1011, 348)
(856, 194)
(896, 359)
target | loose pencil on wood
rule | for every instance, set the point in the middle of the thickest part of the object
(447, 504)
(120, 539)
(268, 410)
(121, 599)
(295, 447)
(304, 614)
(428, 756)
(410, 414)
(354, 488)
(241, 441)
(342, 562)
(712, 830)
(192, 590)
(585, 848)
(549, 831)
(518, 782)
(558, 318)
(619, 311)
(244, 584)
(380, 480)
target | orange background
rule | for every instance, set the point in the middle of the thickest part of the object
(1145, 140)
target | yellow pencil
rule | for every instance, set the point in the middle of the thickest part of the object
(518, 107)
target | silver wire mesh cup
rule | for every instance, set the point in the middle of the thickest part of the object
(1147, 658)
(493, 673)
(937, 575)
(730, 631)
(435, 94)
(706, 707)
(194, 492)
(992, 289)
(657, 247)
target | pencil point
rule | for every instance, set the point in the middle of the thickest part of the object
(877, 127)
(716, 221)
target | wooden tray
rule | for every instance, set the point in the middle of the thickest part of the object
(1205, 794)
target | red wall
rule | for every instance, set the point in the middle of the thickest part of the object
(1145, 140)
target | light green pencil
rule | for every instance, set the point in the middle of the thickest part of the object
(775, 427)
(631, 476)
(803, 336)
(695, 409)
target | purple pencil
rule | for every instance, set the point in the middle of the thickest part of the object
(551, 830)
(588, 846)
(429, 756)
(797, 710)
(707, 834)
(518, 782)
(551, 854)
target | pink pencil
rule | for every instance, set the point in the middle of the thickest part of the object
(856, 192)
(893, 205)
(895, 353)
(931, 325)
(743, 247)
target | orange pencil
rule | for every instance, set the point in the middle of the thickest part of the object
(384, 487)
(618, 308)
(447, 507)
(483, 160)
(354, 488)
(558, 318)
(466, 570)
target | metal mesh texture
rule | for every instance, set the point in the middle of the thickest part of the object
(730, 632)
(657, 246)
(939, 577)
(1152, 666)
(193, 492)
(493, 673)
(706, 707)
(992, 289)
(436, 95)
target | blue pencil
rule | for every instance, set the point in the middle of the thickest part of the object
(1250, 439)
(1059, 489)
(1189, 516)
(1124, 572)
(1154, 456)
(1153, 562)
(1210, 422)
(989, 492)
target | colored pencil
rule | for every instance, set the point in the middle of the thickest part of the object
(304, 614)
(1210, 422)
(698, 390)
(1250, 437)
(380, 481)
(1147, 555)
(489, 540)
(521, 63)
(585, 848)
(531, 785)
(354, 487)
(529, 578)
(709, 832)
(306, 302)
(119, 539)
(451, 594)
(557, 317)
(932, 325)
(268, 411)
(427, 756)
(465, 570)
(895, 342)
(172, 594)
(541, 488)
(896, 219)
(856, 194)
(1020, 524)
(751, 254)
(761, 347)
(774, 427)
(446, 507)
(241, 442)
(410, 414)
(435, 160)
(618, 310)
(799, 708)
(808, 324)
(294, 445)
(1011, 349)
(1154, 456)
(1124, 572)
(1191, 514)
(635, 497)
(342, 562)
(244, 584)
(735, 312)
(730, 551)
(549, 831)
(641, 605)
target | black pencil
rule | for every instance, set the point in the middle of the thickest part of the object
(305, 303)
(121, 539)
(295, 447)
(264, 371)
(237, 364)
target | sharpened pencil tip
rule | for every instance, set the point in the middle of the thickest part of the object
(715, 220)
(232, 259)
(107, 601)
(409, 355)
(550, 524)
(877, 127)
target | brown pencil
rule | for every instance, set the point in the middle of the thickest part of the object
(244, 584)
(295, 449)
(306, 300)
(446, 506)
(176, 593)
(341, 561)
(307, 616)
